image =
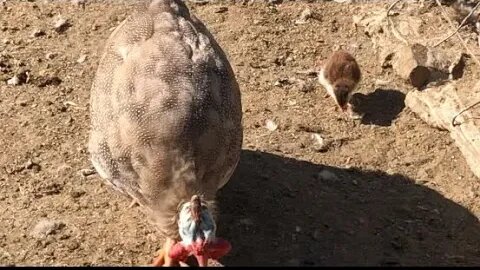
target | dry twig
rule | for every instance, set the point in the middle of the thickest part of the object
(459, 27)
(462, 111)
(391, 6)
(464, 44)
(392, 25)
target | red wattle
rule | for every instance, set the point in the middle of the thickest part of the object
(218, 248)
(179, 252)
(213, 250)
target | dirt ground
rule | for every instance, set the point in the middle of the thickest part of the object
(387, 190)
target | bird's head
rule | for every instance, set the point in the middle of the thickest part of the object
(197, 230)
(343, 90)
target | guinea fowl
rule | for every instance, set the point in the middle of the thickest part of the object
(166, 125)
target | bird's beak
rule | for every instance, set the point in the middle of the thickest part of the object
(202, 260)
(200, 253)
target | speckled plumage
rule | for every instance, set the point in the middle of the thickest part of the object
(165, 112)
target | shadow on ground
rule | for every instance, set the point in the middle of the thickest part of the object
(282, 211)
(380, 107)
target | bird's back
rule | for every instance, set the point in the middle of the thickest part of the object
(165, 109)
(342, 65)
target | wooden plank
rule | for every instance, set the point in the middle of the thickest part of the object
(437, 106)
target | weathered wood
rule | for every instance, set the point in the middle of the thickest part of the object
(437, 106)
(420, 65)
(410, 63)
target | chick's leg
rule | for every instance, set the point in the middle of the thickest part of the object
(351, 114)
(163, 259)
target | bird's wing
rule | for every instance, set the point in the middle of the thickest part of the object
(165, 107)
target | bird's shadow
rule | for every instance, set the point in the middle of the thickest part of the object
(279, 211)
(380, 107)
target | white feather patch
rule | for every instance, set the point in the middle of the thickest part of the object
(326, 84)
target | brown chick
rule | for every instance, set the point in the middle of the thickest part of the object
(340, 75)
(166, 125)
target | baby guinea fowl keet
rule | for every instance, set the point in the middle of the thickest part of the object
(166, 125)
(340, 75)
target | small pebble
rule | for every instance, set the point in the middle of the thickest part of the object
(221, 10)
(304, 16)
(82, 58)
(46, 227)
(327, 175)
(61, 25)
(270, 125)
